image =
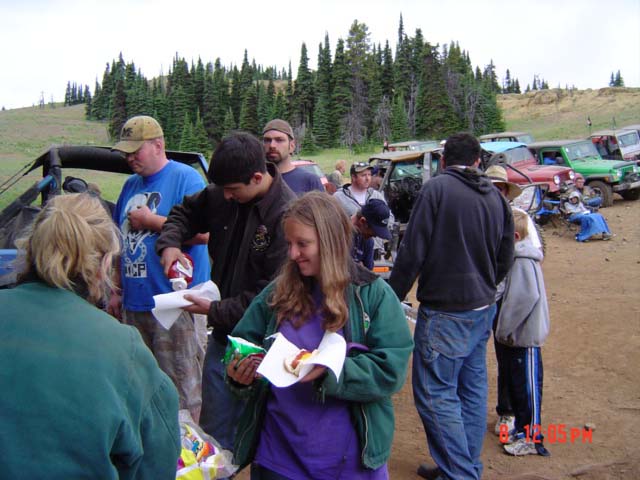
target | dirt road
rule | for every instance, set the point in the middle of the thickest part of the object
(590, 362)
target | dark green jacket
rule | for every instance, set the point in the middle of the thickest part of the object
(368, 379)
(81, 395)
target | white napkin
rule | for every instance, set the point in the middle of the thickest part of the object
(331, 353)
(169, 305)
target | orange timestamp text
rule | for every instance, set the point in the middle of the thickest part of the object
(553, 433)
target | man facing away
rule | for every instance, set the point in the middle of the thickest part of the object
(242, 212)
(279, 144)
(146, 198)
(460, 243)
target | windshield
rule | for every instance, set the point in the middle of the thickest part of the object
(524, 138)
(581, 150)
(516, 155)
(424, 146)
(628, 139)
(406, 169)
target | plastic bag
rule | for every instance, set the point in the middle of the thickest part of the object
(201, 457)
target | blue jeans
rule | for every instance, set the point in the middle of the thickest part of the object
(221, 409)
(450, 386)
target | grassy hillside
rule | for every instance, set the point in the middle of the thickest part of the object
(560, 114)
(550, 114)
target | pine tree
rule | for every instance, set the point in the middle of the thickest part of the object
(279, 106)
(67, 95)
(303, 90)
(289, 97)
(516, 86)
(88, 101)
(246, 76)
(357, 58)
(201, 141)
(187, 140)
(341, 95)
(506, 86)
(619, 82)
(323, 121)
(436, 117)
(612, 82)
(322, 127)
(179, 107)
(229, 124)
(118, 109)
(235, 99)
(249, 112)
(399, 127)
(386, 80)
(382, 119)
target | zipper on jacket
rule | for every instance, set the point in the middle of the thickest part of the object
(366, 434)
(366, 321)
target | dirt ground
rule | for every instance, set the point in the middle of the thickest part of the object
(594, 344)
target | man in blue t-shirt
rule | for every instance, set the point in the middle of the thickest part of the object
(279, 143)
(143, 205)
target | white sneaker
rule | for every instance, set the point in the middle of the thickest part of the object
(508, 420)
(521, 447)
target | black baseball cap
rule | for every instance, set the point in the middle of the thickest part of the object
(376, 212)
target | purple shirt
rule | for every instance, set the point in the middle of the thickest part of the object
(303, 438)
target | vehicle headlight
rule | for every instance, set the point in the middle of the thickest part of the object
(616, 176)
(572, 174)
(556, 179)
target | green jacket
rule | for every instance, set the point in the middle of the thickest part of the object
(368, 379)
(82, 396)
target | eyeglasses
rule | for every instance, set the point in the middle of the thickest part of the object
(360, 165)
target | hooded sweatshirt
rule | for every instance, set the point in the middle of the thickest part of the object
(459, 240)
(524, 315)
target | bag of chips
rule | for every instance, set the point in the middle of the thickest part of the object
(242, 348)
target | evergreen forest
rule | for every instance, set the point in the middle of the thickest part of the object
(359, 94)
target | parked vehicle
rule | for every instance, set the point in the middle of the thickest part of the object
(523, 166)
(413, 145)
(55, 162)
(620, 144)
(403, 174)
(604, 176)
(635, 127)
(312, 167)
(522, 137)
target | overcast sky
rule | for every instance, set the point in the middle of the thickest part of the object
(46, 43)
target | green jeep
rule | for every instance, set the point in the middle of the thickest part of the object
(605, 176)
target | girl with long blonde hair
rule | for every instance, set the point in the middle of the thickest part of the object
(322, 426)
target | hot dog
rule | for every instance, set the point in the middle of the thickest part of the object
(293, 363)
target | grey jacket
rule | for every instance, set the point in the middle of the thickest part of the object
(524, 315)
(349, 202)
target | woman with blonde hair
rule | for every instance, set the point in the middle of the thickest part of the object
(322, 427)
(78, 386)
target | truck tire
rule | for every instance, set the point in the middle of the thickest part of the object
(631, 194)
(605, 190)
